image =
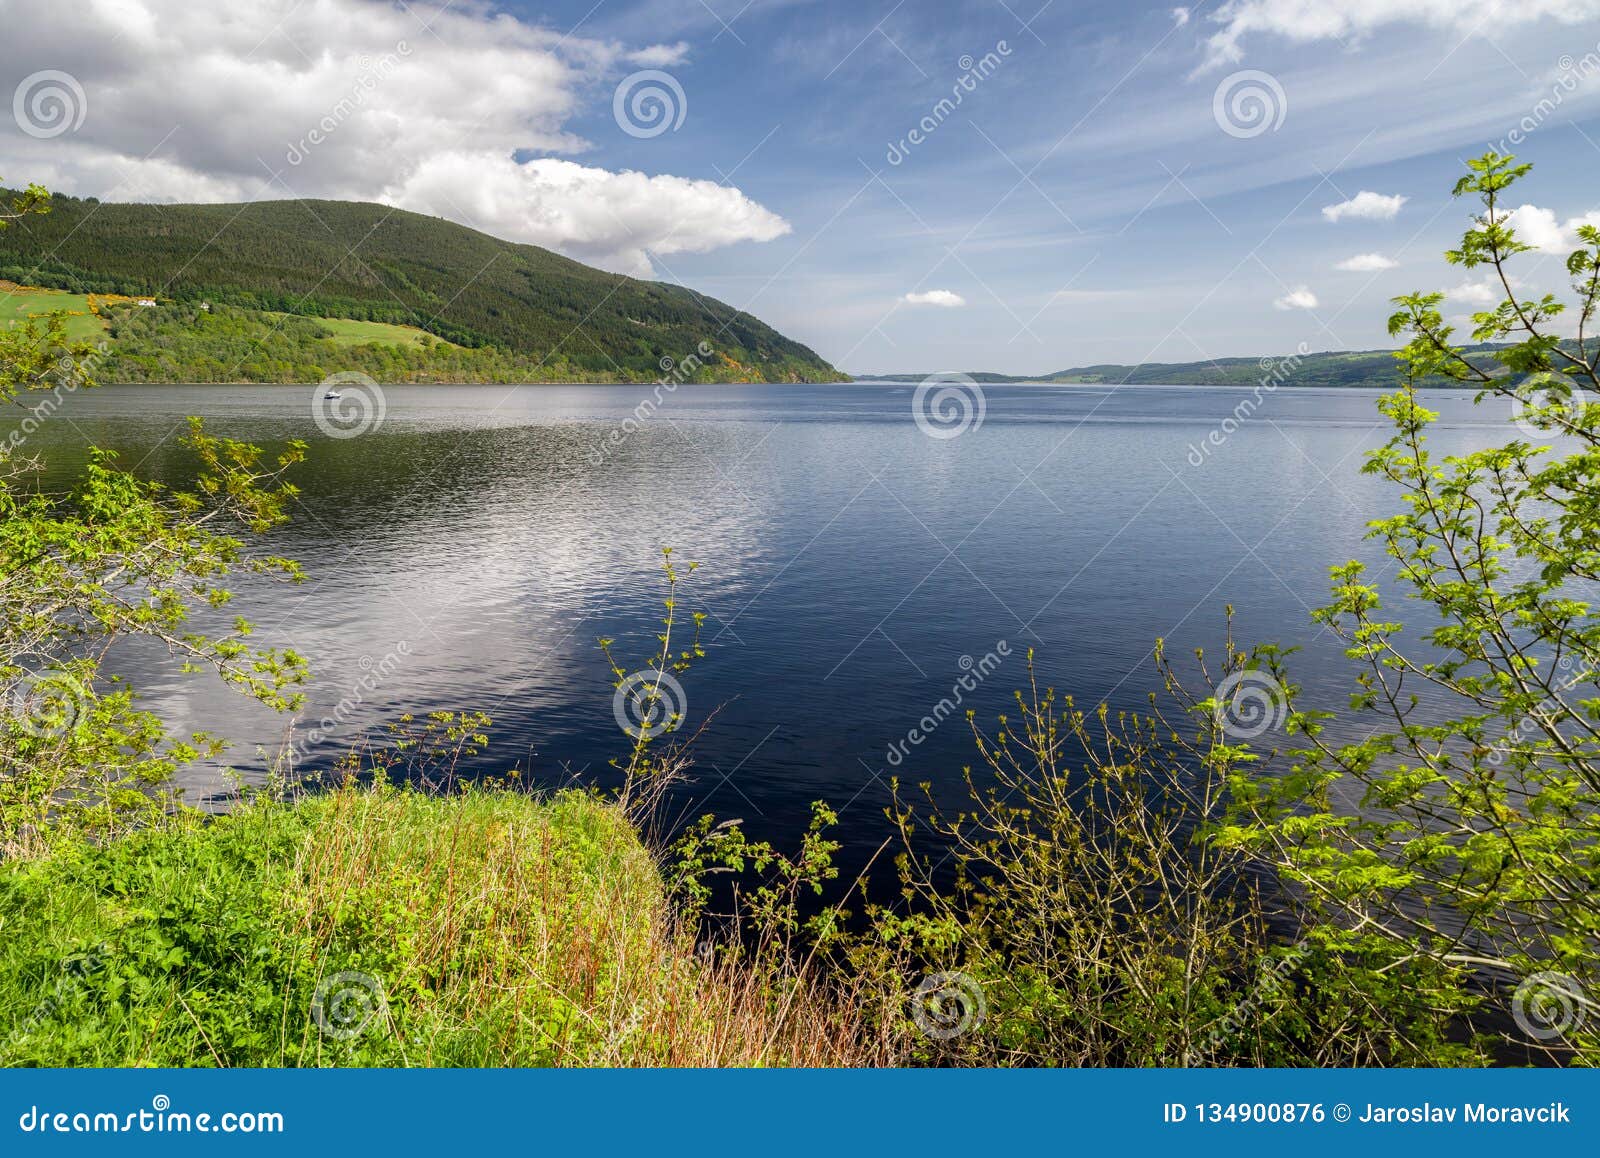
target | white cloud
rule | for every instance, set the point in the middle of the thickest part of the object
(358, 100)
(1366, 263)
(946, 298)
(1477, 293)
(1309, 20)
(1539, 228)
(659, 55)
(1299, 298)
(1180, 17)
(615, 220)
(1366, 205)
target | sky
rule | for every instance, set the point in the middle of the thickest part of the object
(904, 185)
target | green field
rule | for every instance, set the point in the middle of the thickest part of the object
(27, 301)
(23, 302)
(348, 331)
(352, 333)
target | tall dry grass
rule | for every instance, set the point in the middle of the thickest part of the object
(519, 932)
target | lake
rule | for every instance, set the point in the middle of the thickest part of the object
(467, 552)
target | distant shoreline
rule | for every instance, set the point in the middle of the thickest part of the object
(569, 382)
(859, 380)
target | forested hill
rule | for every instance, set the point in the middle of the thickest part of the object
(339, 259)
(1373, 368)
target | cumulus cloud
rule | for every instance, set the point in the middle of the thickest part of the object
(946, 298)
(456, 110)
(1366, 263)
(1299, 298)
(615, 220)
(1305, 20)
(1540, 228)
(1366, 205)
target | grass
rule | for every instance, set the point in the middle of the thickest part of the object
(18, 302)
(378, 927)
(353, 333)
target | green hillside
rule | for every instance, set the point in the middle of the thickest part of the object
(357, 262)
(180, 342)
(1342, 368)
(1328, 368)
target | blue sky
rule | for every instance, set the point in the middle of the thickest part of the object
(1085, 202)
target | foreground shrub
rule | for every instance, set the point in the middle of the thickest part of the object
(1094, 921)
(1475, 844)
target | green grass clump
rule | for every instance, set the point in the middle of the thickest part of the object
(488, 928)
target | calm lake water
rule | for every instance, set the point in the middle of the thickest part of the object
(467, 553)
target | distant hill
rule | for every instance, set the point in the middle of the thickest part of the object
(528, 310)
(1374, 368)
